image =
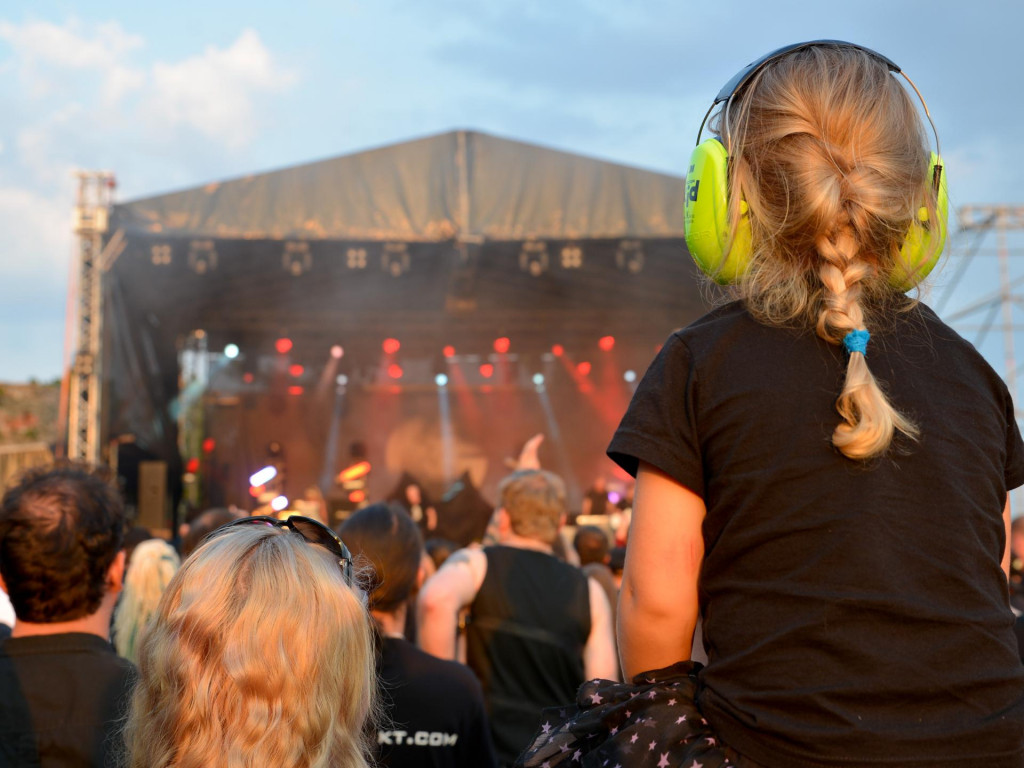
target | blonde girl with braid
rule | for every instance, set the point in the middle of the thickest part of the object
(823, 469)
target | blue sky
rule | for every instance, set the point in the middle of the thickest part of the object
(175, 96)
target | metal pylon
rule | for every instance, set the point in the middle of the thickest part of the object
(92, 207)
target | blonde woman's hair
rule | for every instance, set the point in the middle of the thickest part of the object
(829, 154)
(260, 655)
(154, 563)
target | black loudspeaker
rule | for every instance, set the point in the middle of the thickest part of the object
(152, 498)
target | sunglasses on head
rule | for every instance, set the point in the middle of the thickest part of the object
(311, 530)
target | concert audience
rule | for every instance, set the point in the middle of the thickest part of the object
(537, 626)
(260, 654)
(63, 689)
(150, 569)
(433, 709)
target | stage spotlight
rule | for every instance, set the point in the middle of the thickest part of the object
(297, 259)
(502, 344)
(606, 343)
(538, 379)
(533, 258)
(295, 389)
(279, 503)
(395, 259)
(583, 369)
(572, 257)
(231, 351)
(629, 376)
(630, 256)
(355, 258)
(557, 350)
(161, 255)
(342, 380)
(283, 345)
(487, 370)
(449, 351)
(337, 352)
(391, 346)
(202, 257)
(247, 377)
(296, 370)
(209, 445)
(395, 371)
(263, 476)
(441, 380)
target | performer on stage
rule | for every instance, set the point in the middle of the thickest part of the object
(823, 465)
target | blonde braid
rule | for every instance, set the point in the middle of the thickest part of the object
(869, 419)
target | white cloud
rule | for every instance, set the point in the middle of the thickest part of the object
(47, 53)
(213, 93)
(37, 232)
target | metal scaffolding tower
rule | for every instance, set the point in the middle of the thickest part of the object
(979, 221)
(92, 208)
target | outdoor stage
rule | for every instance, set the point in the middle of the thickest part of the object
(539, 284)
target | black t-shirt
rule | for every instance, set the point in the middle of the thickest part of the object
(61, 701)
(434, 710)
(855, 613)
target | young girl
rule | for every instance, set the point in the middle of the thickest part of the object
(822, 470)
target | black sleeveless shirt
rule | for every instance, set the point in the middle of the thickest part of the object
(527, 629)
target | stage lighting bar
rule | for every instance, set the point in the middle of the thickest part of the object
(533, 258)
(630, 256)
(395, 259)
(297, 260)
(572, 257)
(355, 258)
(202, 257)
(161, 255)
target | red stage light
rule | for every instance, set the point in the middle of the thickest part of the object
(502, 344)
(247, 377)
(558, 350)
(395, 371)
(256, 490)
(192, 465)
(487, 370)
(606, 343)
(283, 345)
(296, 370)
(295, 389)
(391, 346)
(449, 351)
(357, 497)
(209, 444)
(583, 369)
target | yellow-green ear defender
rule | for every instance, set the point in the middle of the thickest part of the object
(707, 196)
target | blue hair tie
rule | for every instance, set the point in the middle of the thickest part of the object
(856, 341)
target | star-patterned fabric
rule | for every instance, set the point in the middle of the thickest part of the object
(651, 723)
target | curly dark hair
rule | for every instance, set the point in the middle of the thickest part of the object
(60, 529)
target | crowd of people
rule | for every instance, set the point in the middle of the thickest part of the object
(819, 569)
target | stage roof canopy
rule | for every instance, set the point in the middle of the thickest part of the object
(460, 185)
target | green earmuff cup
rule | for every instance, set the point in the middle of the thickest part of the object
(706, 217)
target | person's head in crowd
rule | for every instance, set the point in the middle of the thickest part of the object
(203, 525)
(150, 569)
(260, 654)
(132, 538)
(439, 550)
(384, 536)
(591, 544)
(61, 550)
(617, 562)
(531, 505)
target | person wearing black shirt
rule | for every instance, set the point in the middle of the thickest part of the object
(434, 709)
(843, 537)
(63, 689)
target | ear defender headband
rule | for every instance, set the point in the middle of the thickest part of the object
(707, 194)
